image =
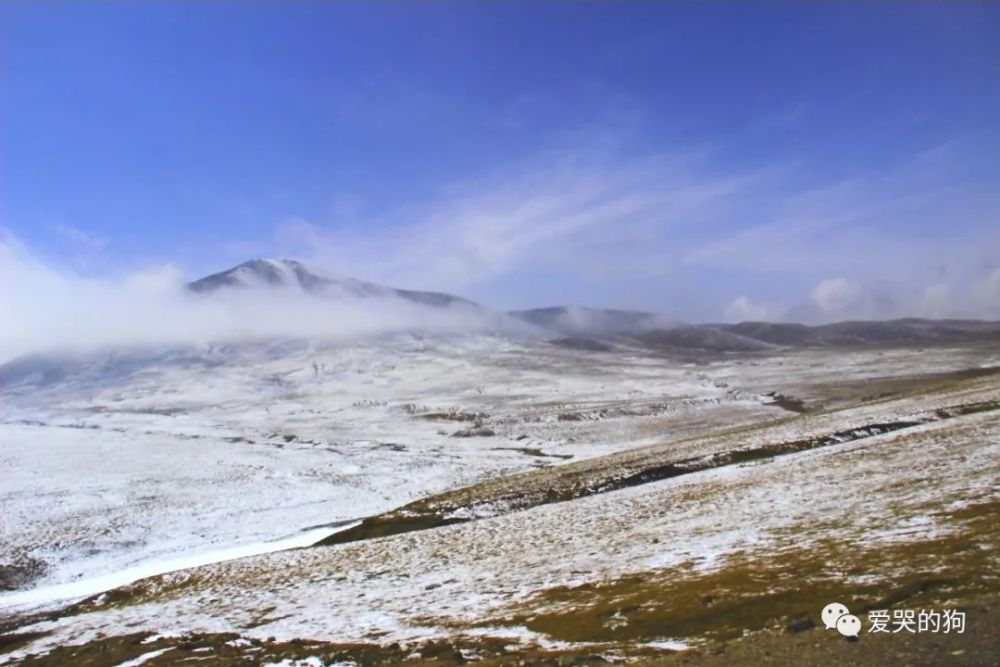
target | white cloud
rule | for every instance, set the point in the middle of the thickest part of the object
(745, 310)
(160, 280)
(668, 233)
(603, 227)
(47, 309)
(937, 301)
(834, 294)
(584, 216)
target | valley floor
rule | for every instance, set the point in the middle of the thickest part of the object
(506, 502)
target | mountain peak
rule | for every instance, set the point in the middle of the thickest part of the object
(283, 273)
(263, 272)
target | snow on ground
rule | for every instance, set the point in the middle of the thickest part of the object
(86, 587)
(144, 658)
(123, 461)
(311, 661)
(416, 585)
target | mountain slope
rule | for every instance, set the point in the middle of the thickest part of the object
(291, 274)
(764, 336)
(909, 330)
(703, 338)
(580, 320)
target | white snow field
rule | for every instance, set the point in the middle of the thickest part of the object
(189, 482)
(419, 585)
(134, 458)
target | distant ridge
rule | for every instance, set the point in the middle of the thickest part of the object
(580, 320)
(596, 329)
(764, 336)
(864, 332)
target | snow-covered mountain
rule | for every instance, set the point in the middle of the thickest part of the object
(292, 274)
(601, 324)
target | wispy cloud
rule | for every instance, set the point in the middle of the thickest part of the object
(574, 216)
(81, 239)
(683, 234)
(650, 230)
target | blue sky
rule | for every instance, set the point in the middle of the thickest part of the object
(712, 161)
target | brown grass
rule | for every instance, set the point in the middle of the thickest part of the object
(755, 591)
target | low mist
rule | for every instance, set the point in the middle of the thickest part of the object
(48, 310)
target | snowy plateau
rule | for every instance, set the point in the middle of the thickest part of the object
(409, 477)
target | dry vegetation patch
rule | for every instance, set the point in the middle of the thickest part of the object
(753, 591)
